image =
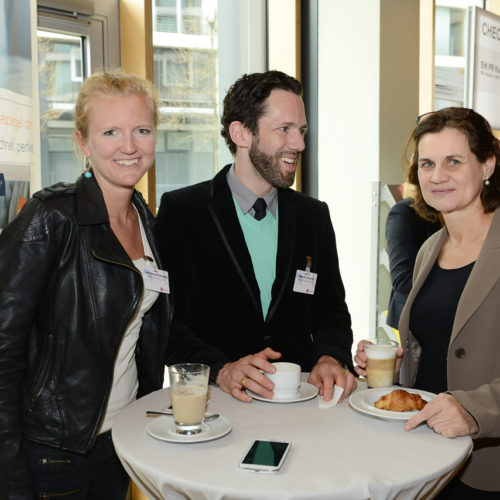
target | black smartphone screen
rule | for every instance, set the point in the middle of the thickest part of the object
(268, 453)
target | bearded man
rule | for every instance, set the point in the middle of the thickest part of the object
(253, 264)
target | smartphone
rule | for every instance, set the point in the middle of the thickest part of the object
(265, 456)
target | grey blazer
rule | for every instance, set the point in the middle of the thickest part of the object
(473, 368)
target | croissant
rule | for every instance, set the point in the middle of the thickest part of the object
(400, 400)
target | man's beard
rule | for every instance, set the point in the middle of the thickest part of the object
(268, 167)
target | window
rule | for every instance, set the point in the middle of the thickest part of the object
(185, 77)
(70, 46)
(450, 50)
(76, 65)
(186, 16)
(199, 51)
(60, 76)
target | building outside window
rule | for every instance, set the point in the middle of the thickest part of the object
(74, 40)
(191, 71)
(185, 72)
(61, 74)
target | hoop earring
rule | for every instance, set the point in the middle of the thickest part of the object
(87, 173)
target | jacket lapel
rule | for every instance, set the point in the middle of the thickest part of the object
(228, 226)
(483, 277)
(286, 250)
(91, 207)
(425, 263)
(92, 211)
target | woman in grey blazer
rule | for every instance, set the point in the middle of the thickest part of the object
(450, 326)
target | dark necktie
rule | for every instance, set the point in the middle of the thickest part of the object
(260, 208)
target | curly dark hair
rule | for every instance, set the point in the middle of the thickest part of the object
(245, 100)
(481, 141)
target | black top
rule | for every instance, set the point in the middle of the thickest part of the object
(431, 321)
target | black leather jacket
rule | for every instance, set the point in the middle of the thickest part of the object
(68, 291)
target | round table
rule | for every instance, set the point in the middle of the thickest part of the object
(336, 453)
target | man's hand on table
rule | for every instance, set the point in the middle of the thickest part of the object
(446, 416)
(245, 374)
(328, 372)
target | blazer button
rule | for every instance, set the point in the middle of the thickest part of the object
(460, 353)
(268, 338)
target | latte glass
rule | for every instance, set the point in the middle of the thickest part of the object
(188, 395)
(381, 362)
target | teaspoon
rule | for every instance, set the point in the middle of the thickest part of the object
(207, 418)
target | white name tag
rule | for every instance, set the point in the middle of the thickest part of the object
(305, 282)
(156, 280)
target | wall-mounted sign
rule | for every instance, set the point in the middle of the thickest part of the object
(482, 70)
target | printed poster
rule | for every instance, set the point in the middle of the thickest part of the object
(483, 65)
(16, 108)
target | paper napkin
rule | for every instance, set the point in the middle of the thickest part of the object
(337, 392)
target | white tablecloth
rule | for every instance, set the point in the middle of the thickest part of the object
(336, 453)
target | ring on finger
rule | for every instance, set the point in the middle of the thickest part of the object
(243, 382)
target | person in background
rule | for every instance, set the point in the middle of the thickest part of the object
(405, 231)
(83, 329)
(449, 326)
(252, 263)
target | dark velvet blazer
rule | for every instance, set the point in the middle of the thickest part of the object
(214, 287)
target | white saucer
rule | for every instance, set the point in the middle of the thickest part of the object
(306, 391)
(163, 428)
(362, 401)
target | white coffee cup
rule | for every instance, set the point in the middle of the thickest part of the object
(286, 380)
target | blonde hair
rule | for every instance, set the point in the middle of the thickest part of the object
(112, 83)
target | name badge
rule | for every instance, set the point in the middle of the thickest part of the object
(156, 280)
(305, 282)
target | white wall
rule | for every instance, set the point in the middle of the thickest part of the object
(368, 101)
(348, 145)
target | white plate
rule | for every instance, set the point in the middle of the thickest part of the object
(163, 428)
(306, 391)
(363, 401)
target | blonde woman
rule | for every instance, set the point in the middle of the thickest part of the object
(83, 331)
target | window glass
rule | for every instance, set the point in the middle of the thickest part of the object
(61, 72)
(200, 48)
(450, 51)
(185, 73)
(70, 47)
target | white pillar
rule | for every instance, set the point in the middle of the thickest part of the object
(368, 100)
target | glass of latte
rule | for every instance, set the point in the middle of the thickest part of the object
(381, 355)
(188, 395)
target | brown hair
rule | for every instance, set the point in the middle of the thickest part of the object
(112, 83)
(245, 100)
(481, 141)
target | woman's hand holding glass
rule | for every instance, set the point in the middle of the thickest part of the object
(361, 360)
